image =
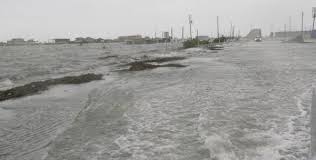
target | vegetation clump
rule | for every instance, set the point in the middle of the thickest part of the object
(220, 39)
(194, 43)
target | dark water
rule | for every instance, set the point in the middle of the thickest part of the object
(250, 101)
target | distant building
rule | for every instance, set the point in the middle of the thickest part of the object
(292, 34)
(203, 38)
(142, 41)
(79, 40)
(87, 40)
(21, 41)
(17, 41)
(99, 40)
(31, 42)
(90, 40)
(61, 41)
(165, 35)
(2, 44)
(129, 38)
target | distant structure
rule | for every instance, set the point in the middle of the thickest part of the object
(129, 38)
(88, 40)
(165, 35)
(100, 40)
(20, 41)
(146, 40)
(137, 39)
(254, 33)
(31, 42)
(79, 40)
(292, 34)
(16, 41)
(190, 24)
(61, 41)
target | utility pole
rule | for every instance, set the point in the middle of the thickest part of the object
(218, 28)
(156, 39)
(302, 29)
(197, 37)
(190, 22)
(182, 33)
(197, 33)
(233, 32)
(171, 33)
(290, 24)
(314, 17)
(285, 34)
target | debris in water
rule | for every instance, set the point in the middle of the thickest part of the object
(159, 60)
(139, 66)
(36, 87)
(107, 57)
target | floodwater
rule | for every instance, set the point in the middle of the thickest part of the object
(249, 101)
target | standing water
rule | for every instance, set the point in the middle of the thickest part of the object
(249, 101)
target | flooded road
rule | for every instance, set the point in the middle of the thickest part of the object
(249, 101)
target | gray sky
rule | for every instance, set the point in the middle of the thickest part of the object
(47, 19)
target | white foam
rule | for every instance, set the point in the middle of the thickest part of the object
(220, 148)
(6, 83)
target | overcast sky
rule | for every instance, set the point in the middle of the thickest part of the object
(47, 19)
